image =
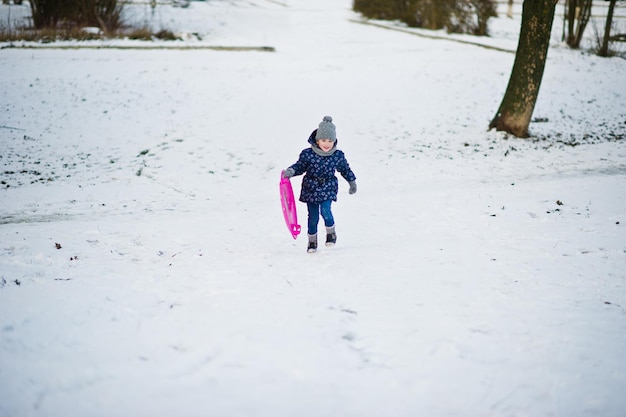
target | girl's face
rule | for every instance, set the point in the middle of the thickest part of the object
(325, 144)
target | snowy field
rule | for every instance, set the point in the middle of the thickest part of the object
(145, 268)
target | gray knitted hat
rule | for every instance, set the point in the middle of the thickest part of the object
(326, 129)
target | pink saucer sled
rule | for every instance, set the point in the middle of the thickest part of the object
(288, 203)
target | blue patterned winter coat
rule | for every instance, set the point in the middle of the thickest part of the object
(319, 182)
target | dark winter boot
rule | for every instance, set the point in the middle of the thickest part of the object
(331, 236)
(312, 244)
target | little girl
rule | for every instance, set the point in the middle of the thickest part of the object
(319, 185)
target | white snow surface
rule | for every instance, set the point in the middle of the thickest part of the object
(145, 268)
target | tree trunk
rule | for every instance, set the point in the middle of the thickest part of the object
(577, 14)
(604, 50)
(520, 97)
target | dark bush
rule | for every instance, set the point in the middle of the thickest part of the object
(456, 16)
(105, 14)
(166, 35)
(381, 9)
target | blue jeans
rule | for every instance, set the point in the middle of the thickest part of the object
(314, 215)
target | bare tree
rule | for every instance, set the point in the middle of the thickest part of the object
(604, 49)
(515, 111)
(577, 14)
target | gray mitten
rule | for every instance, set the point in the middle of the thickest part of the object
(289, 172)
(352, 189)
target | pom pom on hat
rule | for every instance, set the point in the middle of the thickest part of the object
(326, 129)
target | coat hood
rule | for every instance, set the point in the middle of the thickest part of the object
(317, 149)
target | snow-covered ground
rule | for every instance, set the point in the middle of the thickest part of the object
(145, 268)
